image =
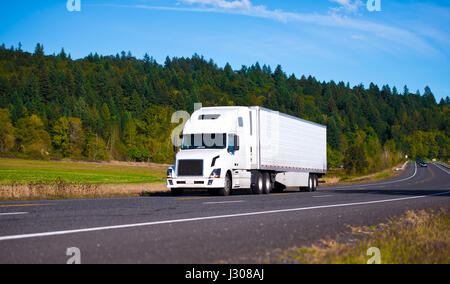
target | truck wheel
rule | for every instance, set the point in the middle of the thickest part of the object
(315, 182)
(267, 187)
(228, 185)
(258, 185)
(177, 192)
(310, 183)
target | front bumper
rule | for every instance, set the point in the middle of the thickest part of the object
(195, 183)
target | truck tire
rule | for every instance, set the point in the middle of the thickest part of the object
(310, 187)
(228, 186)
(313, 182)
(268, 185)
(258, 183)
(316, 182)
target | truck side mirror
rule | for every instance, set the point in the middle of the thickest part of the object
(236, 143)
(175, 147)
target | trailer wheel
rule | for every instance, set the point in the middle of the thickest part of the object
(310, 187)
(258, 185)
(268, 186)
(315, 182)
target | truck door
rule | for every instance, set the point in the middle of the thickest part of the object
(252, 139)
(243, 132)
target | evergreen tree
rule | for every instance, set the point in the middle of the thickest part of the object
(119, 107)
(6, 131)
(355, 160)
(31, 137)
(60, 136)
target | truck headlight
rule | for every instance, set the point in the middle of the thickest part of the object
(215, 173)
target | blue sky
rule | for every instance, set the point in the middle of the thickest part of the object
(407, 42)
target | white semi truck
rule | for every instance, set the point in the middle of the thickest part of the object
(228, 148)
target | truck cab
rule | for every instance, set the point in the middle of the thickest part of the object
(216, 151)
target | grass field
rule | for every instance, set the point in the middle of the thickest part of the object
(25, 171)
(44, 180)
(415, 237)
(32, 180)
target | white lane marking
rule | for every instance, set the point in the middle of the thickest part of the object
(403, 167)
(224, 202)
(375, 184)
(441, 168)
(13, 213)
(319, 196)
(58, 233)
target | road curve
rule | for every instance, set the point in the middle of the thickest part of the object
(202, 229)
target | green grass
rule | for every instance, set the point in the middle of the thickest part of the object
(383, 175)
(26, 171)
(415, 237)
(334, 177)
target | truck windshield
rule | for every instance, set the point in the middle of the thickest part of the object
(204, 141)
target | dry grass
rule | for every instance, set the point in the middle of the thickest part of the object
(61, 189)
(32, 180)
(342, 179)
(331, 180)
(415, 237)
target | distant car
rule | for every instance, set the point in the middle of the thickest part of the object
(423, 164)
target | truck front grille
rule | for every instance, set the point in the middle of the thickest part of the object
(190, 168)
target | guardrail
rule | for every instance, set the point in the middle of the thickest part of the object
(443, 165)
(403, 167)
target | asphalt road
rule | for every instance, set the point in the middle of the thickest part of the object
(198, 228)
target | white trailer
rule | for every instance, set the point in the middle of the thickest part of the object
(227, 148)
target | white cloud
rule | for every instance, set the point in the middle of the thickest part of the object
(357, 37)
(242, 7)
(348, 5)
(369, 29)
(242, 4)
(380, 31)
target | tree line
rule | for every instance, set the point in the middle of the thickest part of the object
(119, 107)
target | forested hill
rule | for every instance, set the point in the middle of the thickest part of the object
(119, 107)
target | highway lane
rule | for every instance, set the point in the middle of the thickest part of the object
(202, 229)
